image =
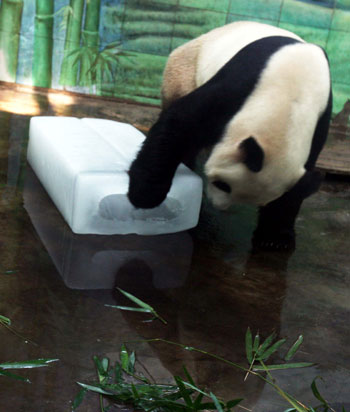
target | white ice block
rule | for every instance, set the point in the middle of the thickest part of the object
(83, 163)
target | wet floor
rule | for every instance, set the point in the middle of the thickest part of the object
(54, 285)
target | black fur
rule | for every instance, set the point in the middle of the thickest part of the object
(275, 229)
(253, 154)
(197, 120)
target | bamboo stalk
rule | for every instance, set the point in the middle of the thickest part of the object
(69, 72)
(10, 28)
(90, 38)
(43, 43)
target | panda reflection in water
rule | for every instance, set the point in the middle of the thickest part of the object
(260, 98)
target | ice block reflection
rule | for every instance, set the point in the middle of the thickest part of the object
(93, 261)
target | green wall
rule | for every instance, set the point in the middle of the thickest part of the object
(119, 47)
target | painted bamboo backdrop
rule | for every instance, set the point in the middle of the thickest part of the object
(119, 47)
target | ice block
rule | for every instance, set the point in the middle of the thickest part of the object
(83, 163)
(104, 262)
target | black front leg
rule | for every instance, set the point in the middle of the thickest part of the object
(182, 130)
(152, 171)
(275, 229)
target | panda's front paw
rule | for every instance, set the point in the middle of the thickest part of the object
(273, 241)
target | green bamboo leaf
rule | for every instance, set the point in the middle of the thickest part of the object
(267, 342)
(131, 364)
(294, 348)
(4, 319)
(38, 363)
(78, 399)
(196, 389)
(102, 368)
(256, 343)
(129, 308)
(233, 403)
(94, 388)
(249, 346)
(13, 376)
(134, 391)
(133, 298)
(105, 364)
(118, 372)
(124, 357)
(188, 376)
(284, 366)
(184, 392)
(317, 394)
(136, 300)
(216, 402)
(272, 349)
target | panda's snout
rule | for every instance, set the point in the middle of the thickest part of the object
(221, 185)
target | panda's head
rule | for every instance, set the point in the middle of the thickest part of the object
(245, 173)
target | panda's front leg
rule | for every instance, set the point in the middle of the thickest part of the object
(276, 221)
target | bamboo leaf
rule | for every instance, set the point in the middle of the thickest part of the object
(188, 376)
(233, 403)
(94, 388)
(124, 357)
(38, 363)
(195, 388)
(267, 342)
(136, 300)
(294, 348)
(129, 308)
(4, 319)
(13, 376)
(134, 391)
(248, 346)
(216, 402)
(102, 369)
(272, 349)
(133, 298)
(256, 342)
(283, 366)
(317, 394)
(118, 373)
(79, 399)
(184, 392)
(198, 401)
(131, 364)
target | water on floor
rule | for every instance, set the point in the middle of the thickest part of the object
(54, 286)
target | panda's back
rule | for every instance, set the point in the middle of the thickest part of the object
(218, 46)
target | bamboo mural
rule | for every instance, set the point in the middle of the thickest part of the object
(119, 47)
(10, 28)
(43, 43)
(69, 71)
(91, 39)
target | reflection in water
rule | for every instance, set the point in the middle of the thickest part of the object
(209, 300)
(93, 261)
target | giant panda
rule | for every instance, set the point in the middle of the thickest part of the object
(259, 97)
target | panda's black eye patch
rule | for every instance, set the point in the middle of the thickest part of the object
(222, 186)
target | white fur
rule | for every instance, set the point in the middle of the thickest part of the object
(281, 113)
(195, 62)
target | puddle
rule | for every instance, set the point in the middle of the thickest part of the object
(54, 286)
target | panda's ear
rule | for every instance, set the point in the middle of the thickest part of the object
(252, 154)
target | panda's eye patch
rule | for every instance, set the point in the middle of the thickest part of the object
(222, 186)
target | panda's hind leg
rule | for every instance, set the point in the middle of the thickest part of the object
(275, 229)
(179, 77)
